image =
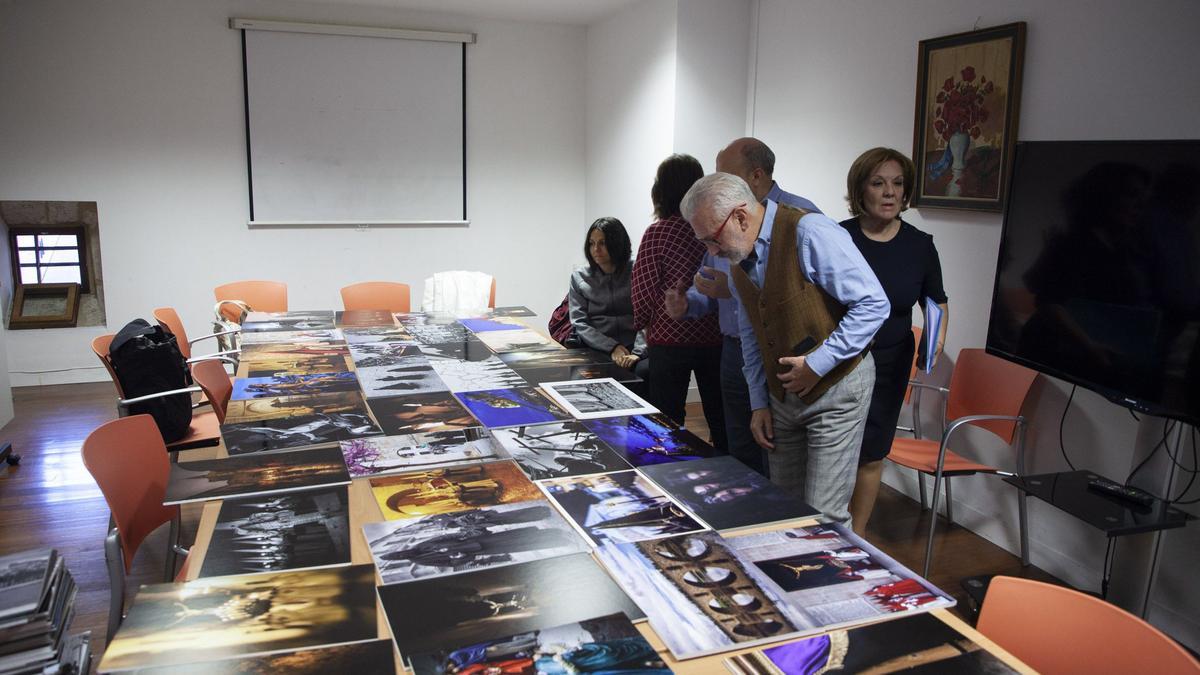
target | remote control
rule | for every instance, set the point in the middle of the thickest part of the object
(1122, 492)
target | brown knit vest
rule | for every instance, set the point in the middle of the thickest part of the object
(789, 308)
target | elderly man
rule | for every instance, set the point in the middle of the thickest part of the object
(752, 161)
(809, 306)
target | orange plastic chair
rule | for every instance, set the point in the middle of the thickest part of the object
(987, 392)
(389, 295)
(212, 379)
(262, 296)
(205, 429)
(169, 319)
(128, 461)
(492, 296)
(1058, 630)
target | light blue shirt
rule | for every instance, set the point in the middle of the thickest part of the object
(829, 259)
(727, 310)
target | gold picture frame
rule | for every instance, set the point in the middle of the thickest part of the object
(45, 306)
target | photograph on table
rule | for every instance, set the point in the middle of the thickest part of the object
(364, 318)
(726, 494)
(410, 375)
(292, 315)
(592, 399)
(649, 439)
(380, 354)
(470, 349)
(266, 351)
(465, 609)
(486, 324)
(295, 365)
(621, 506)
(276, 407)
(425, 318)
(293, 385)
(210, 479)
(496, 408)
(254, 614)
(921, 645)
(449, 543)
(392, 454)
(367, 334)
(457, 488)
(437, 333)
(286, 433)
(558, 450)
(553, 358)
(327, 335)
(834, 577)
(503, 341)
(420, 413)
(700, 596)
(607, 644)
(362, 658)
(489, 373)
(257, 322)
(511, 310)
(272, 533)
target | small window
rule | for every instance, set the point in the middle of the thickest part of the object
(50, 256)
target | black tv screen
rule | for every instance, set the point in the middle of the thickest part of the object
(1098, 281)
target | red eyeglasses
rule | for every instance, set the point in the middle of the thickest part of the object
(717, 235)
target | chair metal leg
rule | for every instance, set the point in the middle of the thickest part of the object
(1023, 513)
(933, 514)
(921, 486)
(115, 560)
(172, 544)
(949, 502)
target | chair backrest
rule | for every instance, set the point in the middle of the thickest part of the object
(169, 319)
(210, 375)
(389, 295)
(100, 345)
(128, 460)
(1059, 630)
(492, 295)
(262, 296)
(983, 384)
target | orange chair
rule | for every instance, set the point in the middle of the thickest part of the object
(212, 379)
(389, 295)
(169, 319)
(262, 296)
(987, 392)
(205, 429)
(128, 461)
(1059, 630)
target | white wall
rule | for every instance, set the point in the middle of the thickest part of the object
(836, 77)
(137, 105)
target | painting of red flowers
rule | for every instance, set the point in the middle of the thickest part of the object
(968, 99)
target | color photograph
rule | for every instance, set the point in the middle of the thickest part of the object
(489, 373)
(272, 533)
(361, 658)
(486, 324)
(224, 617)
(557, 450)
(392, 454)
(649, 439)
(296, 432)
(497, 408)
(247, 476)
(621, 506)
(608, 644)
(458, 488)
(501, 341)
(469, 608)
(726, 494)
(292, 385)
(278, 407)
(556, 357)
(420, 413)
(267, 351)
(365, 317)
(449, 543)
(591, 399)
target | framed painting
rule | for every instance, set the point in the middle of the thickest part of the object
(968, 102)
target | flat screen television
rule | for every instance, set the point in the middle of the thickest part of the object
(1098, 280)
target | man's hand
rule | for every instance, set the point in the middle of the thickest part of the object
(674, 300)
(713, 283)
(762, 427)
(800, 379)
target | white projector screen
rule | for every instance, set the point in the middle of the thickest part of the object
(347, 129)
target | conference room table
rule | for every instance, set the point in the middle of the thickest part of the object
(364, 509)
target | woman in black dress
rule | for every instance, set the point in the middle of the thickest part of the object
(906, 262)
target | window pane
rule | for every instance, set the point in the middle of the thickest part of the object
(60, 256)
(29, 275)
(60, 275)
(57, 240)
(25, 240)
(27, 257)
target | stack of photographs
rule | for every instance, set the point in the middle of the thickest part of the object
(227, 617)
(362, 658)
(285, 422)
(621, 506)
(592, 399)
(649, 439)
(393, 454)
(293, 385)
(497, 408)
(248, 476)
(271, 533)
(558, 450)
(420, 414)
(458, 488)
(37, 605)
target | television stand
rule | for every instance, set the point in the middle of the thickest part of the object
(1068, 491)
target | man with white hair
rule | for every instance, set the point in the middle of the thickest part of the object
(809, 306)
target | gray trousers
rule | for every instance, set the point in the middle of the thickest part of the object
(816, 446)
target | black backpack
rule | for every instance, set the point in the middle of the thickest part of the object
(147, 361)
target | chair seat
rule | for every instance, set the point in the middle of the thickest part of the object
(921, 454)
(204, 432)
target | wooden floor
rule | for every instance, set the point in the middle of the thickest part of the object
(51, 501)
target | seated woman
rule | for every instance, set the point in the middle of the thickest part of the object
(599, 300)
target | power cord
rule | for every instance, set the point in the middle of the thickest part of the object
(1167, 427)
(1194, 470)
(1061, 422)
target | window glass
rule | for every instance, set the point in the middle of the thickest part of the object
(25, 240)
(27, 257)
(60, 256)
(58, 240)
(60, 275)
(29, 275)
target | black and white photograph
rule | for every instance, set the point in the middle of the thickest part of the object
(297, 431)
(558, 450)
(392, 454)
(367, 334)
(592, 399)
(380, 354)
(467, 349)
(270, 322)
(22, 579)
(408, 375)
(501, 341)
(489, 373)
(437, 333)
(448, 543)
(329, 335)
